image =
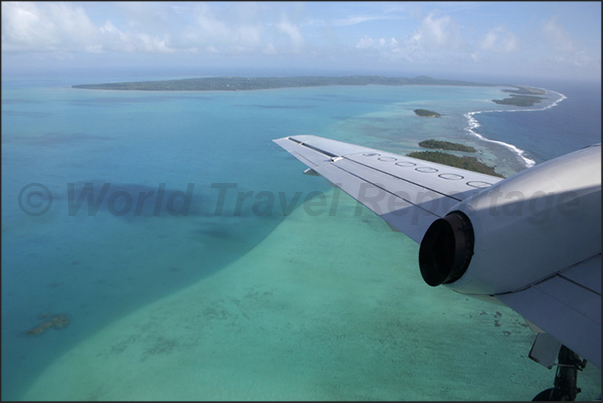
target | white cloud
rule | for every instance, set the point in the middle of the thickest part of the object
(348, 35)
(270, 49)
(143, 28)
(116, 40)
(27, 26)
(365, 43)
(557, 36)
(433, 36)
(437, 33)
(249, 34)
(500, 40)
(292, 31)
(358, 19)
(22, 24)
(209, 27)
(381, 43)
(65, 27)
(564, 54)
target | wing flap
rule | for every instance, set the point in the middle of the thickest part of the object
(454, 182)
(311, 158)
(394, 189)
(567, 310)
(409, 194)
(396, 211)
(587, 275)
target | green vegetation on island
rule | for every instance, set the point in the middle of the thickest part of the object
(469, 163)
(259, 83)
(426, 113)
(522, 96)
(446, 145)
(519, 100)
(523, 90)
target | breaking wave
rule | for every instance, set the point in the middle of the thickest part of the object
(474, 124)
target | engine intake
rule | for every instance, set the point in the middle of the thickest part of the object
(446, 249)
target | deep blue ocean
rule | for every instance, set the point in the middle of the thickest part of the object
(95, 264)
(546, 134)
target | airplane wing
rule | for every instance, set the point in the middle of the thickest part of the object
(561, 298)
(408, 193)
(564, 303)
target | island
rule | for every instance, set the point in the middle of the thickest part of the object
(469, 163)
(445, 145)
(522, 96)
(261, 83)
(426, 113)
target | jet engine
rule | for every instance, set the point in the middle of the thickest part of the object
(519, 231)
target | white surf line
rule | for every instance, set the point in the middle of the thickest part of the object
(473, 124)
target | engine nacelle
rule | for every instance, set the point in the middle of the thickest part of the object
(521, 230)
(446, 249)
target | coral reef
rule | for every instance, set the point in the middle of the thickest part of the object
(58, 322)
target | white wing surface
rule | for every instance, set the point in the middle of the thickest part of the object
(408, 193)
(567, 306)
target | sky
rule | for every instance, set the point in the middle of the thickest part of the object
(450, 40)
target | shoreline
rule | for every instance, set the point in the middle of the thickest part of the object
(474, 124)
(229, 83)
